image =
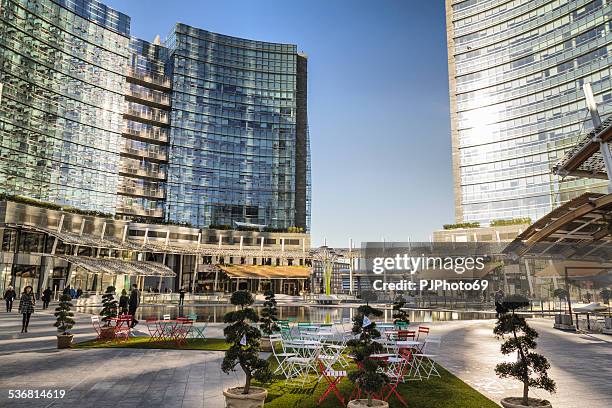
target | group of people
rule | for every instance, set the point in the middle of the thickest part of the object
(27, 301)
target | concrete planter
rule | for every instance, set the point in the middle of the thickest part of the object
(363, 403)
(515, 402)
(64, 341)
(234, 398)
(265, 344)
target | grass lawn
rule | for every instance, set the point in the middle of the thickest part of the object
(144, 343)
(445, 392)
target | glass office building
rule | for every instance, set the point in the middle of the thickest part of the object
(238, 140)
(204, 128)
(62, 70)
(516, 70)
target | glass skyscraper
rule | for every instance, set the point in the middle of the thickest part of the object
(237, 152)
(203, 129)
(516, 70)
(62, 70)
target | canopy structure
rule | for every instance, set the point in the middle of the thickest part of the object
(585, 158)
(580, 229)
(113, 266)
(158, 247)
(266, 271)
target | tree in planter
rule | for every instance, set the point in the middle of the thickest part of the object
(367, 375)
(606, 294)
(400, 315)
(561, 294)
(244, 339)
(63, 314)
(530, 368)
(268, 315)
(109, 306)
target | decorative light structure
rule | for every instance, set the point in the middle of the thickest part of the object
(327, 256)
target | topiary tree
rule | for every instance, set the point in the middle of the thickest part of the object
(63, 314)
(367, 376)
(606, 294)
(244, 339)
(561, 294)
(268, 315)
(109, 306)
(400, 315)
(530, 368)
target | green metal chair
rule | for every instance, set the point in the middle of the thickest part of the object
(197, 331)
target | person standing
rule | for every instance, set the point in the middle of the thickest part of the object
(26, 307)
(124, 301)
(46, 297)
(181, 296)
(9, 297)
(79, 292)
(134, 302)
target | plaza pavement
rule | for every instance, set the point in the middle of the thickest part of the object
(581, 366)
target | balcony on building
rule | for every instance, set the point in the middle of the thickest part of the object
(140, 191)
(149, 79)
(142, 172)
(140, 211)
(150, 97)
(128, 150)
(157, 135)
(154, 116)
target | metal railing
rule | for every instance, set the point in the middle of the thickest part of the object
(157, 79)
(159, 135)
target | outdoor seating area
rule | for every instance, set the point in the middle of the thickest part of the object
(164, 330)
(309, 352)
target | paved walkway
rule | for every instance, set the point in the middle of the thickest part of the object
(581, 365)
(181, 378)
(103, 378)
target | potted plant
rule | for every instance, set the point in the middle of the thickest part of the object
(268, 320)
(64, 321)
(244, 352)
(368, 377)
(109, 310)
(400, 315)
(530, 368)
(562, 320)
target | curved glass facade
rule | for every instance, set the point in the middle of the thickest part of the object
(235, 144)
(62, 67)
(516, 70)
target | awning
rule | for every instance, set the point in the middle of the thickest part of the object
(266, 271)
(113, 266)
(575, 269)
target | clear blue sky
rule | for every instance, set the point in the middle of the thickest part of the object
(378, 103)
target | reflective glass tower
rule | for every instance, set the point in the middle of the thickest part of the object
(238, 149)
(516, 70)
(62, 70)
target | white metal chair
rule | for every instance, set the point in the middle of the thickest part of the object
(424, 360)
(281, 355)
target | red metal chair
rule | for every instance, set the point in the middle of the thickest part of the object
(397, 369)
(404, 335)
(333, 378)
(182, 330)
(155, 332)
(122, 327)
(422, 330)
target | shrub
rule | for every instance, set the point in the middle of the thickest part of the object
(461, 225)
(268, 315)
(64, 316)
(367, 376)
(109, 306)
(400, 315)
(530, 368)
(244, 339)
(513, 221)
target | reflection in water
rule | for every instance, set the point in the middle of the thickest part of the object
(316, 314)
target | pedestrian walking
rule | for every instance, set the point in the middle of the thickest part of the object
(124, 302)
(9, 297)
(181, 296)
(26, 307)
(46, 297)
(134, 302)
(79, 293)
